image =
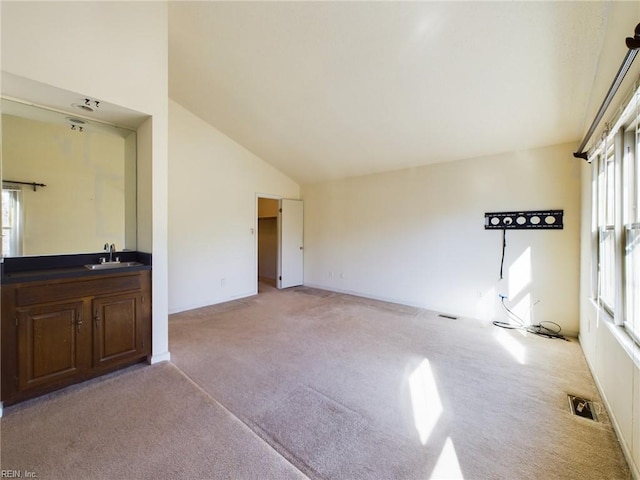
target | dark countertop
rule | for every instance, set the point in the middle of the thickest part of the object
(51, 267)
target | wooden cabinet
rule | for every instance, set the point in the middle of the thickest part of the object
(49, 340)
(59, 332)
(118, 332)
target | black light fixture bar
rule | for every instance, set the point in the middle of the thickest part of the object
(633, 44)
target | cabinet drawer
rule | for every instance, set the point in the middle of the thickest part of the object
(53, 292)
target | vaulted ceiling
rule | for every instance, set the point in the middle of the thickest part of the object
(325, 90)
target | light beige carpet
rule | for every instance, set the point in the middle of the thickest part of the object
(350, 388)
(305, 382)
(146, 422)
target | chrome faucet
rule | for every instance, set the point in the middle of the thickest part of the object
(111, 249)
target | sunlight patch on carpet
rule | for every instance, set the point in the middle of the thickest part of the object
(425, 400)
(511, 345)
(447, 465)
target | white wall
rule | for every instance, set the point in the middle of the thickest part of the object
(116, 52)
(417, 236)
(213, 183)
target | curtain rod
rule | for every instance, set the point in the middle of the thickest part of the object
(633, 44)
(33, 184)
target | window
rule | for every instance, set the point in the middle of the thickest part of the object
(616, 201)
(606, 227)
(631, 200)
(11, 224)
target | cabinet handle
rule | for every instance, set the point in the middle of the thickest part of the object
(97, 317)
(78, 323)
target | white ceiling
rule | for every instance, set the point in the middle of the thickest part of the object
(325, 90)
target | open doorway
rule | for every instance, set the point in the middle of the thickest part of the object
(279, 243)
(267, 242)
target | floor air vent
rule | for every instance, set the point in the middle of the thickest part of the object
(582, 407)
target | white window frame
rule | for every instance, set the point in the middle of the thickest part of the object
(606, 231)
(616, 220)
(631, 223)
(13, 231)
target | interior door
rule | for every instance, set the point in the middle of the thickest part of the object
(290, 254)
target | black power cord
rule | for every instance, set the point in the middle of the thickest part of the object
(537, 329)
(504, 247)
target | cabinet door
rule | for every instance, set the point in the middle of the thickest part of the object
(49, 340)
(117, 329)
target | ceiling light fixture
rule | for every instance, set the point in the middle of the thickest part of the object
(83, 107)
(76, 122)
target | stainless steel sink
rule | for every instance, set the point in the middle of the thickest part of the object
(110, 265)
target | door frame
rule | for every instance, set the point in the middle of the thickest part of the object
(255, 232)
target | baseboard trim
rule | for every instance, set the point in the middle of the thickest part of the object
(162, 357)
(194, 306)
(373, 297)
(626, 450)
